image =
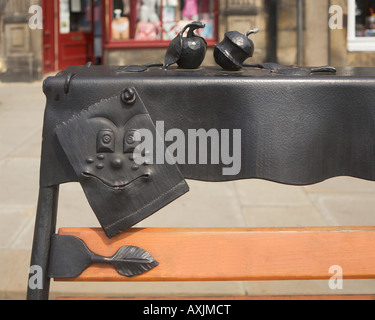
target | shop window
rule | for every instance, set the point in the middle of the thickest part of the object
(75, 16)
(361, 25)
(156, 22)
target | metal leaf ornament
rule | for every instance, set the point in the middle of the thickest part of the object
(188, 52)
(130, 261)
(70, 257)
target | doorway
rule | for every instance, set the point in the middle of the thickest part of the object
(70, 31)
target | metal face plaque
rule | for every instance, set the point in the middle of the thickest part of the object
(101, 146)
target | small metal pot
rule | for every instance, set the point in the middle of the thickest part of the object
(188, 52)
(232, 52)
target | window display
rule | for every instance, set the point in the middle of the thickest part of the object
(75, 16)
(365, 18)
(361, 25)
(120, 26)
(160, 20)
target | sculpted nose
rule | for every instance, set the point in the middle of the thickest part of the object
(116, 163)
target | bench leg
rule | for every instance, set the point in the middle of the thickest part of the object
(45, 226)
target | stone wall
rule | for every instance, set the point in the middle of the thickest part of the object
(321, 44)
(243, 23)
(315, 32)
(14, 9)
(287, 32)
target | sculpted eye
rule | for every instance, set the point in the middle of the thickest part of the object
(129, 141)
(105, 141)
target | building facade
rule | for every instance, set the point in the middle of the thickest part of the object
(20, 46)
(123, 32)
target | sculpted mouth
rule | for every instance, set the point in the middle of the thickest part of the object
(116, 187)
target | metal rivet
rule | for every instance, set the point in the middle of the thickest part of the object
(90, 160)
(101, 157)
(128, 96)
(100, 166)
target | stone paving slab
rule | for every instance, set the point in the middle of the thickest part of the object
(259, 192)
(280, 217)
(353, 209)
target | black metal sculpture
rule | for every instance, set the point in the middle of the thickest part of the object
(291, 131)
(100, 144)
(188, 52)
(231, 53)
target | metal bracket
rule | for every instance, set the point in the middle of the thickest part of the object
(70, 257)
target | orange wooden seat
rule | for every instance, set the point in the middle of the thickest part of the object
(239, 254)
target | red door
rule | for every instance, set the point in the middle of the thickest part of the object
(49, 54)
(75, 33)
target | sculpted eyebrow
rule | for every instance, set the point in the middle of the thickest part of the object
(105, 119)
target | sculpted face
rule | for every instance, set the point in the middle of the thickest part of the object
(100, 144)
(110, 159)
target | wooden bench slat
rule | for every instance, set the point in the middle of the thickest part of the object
(240, 298)
(237, 254)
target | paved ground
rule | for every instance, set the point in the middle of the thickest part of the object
(340, 201)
